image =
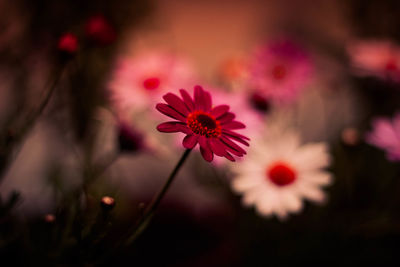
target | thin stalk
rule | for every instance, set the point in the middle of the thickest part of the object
(6, 154)
(151, 208)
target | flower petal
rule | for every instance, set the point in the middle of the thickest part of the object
(227, 117)
(187, 99)
(170, 112)
(207, 101)
(235, 149)
(217, 147)
(205, 149)
(190, 141)
(235, 136)
(198, 98)
(173, 127)
(234, 125)
(219, 110)
(175, 102)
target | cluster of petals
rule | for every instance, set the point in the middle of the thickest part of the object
(140, 81)
(210, 127)
(386, 135)
(279, 172)
(279, 71)
(380, 58)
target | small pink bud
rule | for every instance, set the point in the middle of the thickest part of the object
(68, 43)
(99, 30)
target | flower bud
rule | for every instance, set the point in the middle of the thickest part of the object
(107, 203)
(68, 43)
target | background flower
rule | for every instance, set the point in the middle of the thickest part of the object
(386, 135)
(279, 70)
(280, 172)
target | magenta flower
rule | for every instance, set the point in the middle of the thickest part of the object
(209, 126)
(386, 135)
(279, 71)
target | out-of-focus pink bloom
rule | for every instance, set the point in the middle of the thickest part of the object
(375, 58)
(209, 126)
(139, 82)
(68, 43)
(99, 30)
(244, 111)
(386, 135)
(279, 71)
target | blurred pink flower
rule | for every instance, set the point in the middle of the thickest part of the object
(140, 82)
(99, 30)
(212, 127)
(375, 58)
(386, 135)
(68, 43)
(278, 71)
(279, 172)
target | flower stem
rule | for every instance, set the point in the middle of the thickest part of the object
(151, 208)
(6, 156)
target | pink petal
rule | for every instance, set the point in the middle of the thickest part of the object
(175, 102)
(173, 127)
(219, 110)
(234, 125)
(229, 157)
(170, 112)
(207, 101)
(232, 145)
(198, 98)
(190, 141)
(217, 147)
(227, 117)
(187, 99)
(237, 137)
(205, 149)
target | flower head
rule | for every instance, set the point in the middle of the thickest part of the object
(68, 43)
(376, 58)
(140, 81)
(210, 127)
(279, 71)
(279, 173)
(386, 135)
(99, 30)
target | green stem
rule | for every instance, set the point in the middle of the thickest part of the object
(151, 208)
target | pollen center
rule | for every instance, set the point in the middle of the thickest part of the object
(151, 83)
(281, 174)
(204, 124)
(279, 72)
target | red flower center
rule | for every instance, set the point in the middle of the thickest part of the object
(281, 174)
(204, 124)
(151, 83)
(279, 72)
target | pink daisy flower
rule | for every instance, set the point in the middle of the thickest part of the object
(386, 135)
(279, 71)
(140, 81)
(210, 127)
(376, 58)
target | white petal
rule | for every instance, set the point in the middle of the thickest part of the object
(316, 178)
(243, 183)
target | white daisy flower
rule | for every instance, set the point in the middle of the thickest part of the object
(279, 173)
